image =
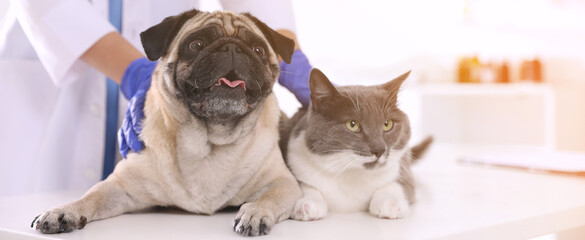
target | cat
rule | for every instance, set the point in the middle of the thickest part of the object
(349, 152)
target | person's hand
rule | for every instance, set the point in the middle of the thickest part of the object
(295, 77)
(135, 84)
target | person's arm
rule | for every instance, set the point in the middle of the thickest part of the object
(60, 31)
(111, 55)
(295, 76)
(69, 35)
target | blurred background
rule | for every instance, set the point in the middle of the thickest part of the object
(501, 72)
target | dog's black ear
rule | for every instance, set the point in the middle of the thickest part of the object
(157, 38)
(282, 45)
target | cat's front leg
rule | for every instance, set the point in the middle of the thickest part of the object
(311, 206)
(389, 202)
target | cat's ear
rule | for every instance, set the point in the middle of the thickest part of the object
(394, 85)
(321, 88)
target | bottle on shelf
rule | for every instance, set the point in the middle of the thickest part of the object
(503, 73)
(531, 71)
(469, 70)
(472, 70)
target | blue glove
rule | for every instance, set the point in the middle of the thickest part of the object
(295, 77)
(135, 84)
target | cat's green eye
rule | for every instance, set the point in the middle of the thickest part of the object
(388, 125)
(352, 125)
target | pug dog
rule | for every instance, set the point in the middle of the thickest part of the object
(210, 129)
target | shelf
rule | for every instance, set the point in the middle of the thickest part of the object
(458, 89)
(462, 107)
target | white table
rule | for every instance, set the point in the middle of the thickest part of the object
(454, 202)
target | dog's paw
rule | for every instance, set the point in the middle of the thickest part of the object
(58, 220)
(390, 208)
(307, 209)
(254, 220)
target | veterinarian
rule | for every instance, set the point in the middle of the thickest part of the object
(57, 106)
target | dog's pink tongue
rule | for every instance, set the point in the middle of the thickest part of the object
(232, 84)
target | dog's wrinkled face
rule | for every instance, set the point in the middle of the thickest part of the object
(221, 75)
(221, 65)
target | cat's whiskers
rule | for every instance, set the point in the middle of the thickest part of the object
(334, 151)
(387, 101)
(316, 146)
(334, 165)
(356, 103)
(326, 169)
(393, 98)
(339, 167)
(347, 166)
(333, 168)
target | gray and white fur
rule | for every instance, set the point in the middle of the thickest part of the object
(344, 168)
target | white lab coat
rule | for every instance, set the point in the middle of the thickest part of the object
(52, 104)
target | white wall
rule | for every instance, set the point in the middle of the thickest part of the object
(374, 40)
(3, 7)
(369, 42)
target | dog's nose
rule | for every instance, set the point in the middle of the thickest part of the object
(230, 47)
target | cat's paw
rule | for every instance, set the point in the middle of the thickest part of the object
(390, 208)
(58, 220)
(307, 209)
(254, 220)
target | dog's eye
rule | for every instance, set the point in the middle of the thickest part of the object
(259, 51)
(196, 45)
